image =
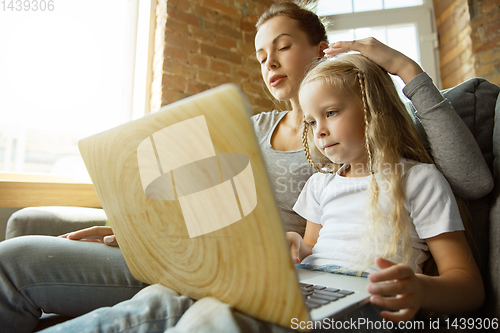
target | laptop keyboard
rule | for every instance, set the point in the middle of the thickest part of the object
(316, 296)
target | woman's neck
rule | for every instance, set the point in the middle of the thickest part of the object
(288, 134)
(295, 117)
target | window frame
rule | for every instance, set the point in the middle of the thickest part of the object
(23, 190)
(423, 18)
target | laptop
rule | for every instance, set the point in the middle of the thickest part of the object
(186, 192)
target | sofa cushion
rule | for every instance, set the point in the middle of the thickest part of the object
(474, 100)
(493, 278)
(52, 221)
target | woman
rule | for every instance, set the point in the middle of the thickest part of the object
(73, 278)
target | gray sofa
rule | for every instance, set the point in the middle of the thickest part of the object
(476, 101)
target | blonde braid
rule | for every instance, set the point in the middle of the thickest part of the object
(361, 80)
(305, 127)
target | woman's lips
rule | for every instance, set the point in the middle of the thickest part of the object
(275, 80)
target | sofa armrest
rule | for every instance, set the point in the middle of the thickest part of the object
(52, 221)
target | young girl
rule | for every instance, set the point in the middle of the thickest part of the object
(379, 196)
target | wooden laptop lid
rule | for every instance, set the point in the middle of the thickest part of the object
(187, 195)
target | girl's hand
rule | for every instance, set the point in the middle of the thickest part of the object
(389, 59)
(93, 234)
(294, 241)
(400, 289)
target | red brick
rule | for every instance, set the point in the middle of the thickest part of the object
(246, 25)
(212, 78)
(441, 5)
(482, 46)
(174, 25)
(447, 14)
(169, 96)
(173, 82)
(251, 86)
(181, 42)
(248, 52)
(222, 30)
(221, 7)
(194, 87)
(227, 43)
(226, 20)
(493, 29)
(490, 5)
(182, 16)
(249, 38)
(181, 4)
(457, 49)
(201, 35)
(175, 53)
(220, 66)
(220, 53)
(197, 60)
(179, 69)
(450, 67)
(205, 13)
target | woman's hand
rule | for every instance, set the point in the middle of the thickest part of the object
(93, 234)
(389, 59)
(395, 287)
(294, 240)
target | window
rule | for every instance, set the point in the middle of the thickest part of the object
(405, 25)
(68, 73)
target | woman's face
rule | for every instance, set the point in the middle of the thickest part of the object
(284, 53)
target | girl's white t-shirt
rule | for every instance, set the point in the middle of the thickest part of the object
(339, 204)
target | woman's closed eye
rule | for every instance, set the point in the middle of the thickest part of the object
(284, 48)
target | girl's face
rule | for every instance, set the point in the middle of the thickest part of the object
(284, 52)
(337, 122)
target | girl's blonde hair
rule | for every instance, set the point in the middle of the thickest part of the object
(390, 134)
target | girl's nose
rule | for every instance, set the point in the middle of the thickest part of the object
(321, 130)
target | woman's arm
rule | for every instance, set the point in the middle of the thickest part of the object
(452, 145)
(458, 288)
(94, 234)
(302, 247)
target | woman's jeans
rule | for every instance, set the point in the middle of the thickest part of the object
(60, 276)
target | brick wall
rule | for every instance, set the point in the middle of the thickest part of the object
(485, 23)
(200, 44)
(469, 40)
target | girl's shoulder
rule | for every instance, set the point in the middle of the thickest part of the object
(319, 179)
(417, 172)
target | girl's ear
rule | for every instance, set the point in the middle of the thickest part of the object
(321, 46)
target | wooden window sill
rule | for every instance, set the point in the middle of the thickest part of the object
(19, 190)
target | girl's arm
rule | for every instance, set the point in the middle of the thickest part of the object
(302, 247)
(453, 146)
(458, 288)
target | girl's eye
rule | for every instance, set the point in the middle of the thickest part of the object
(312, 123)
(263, 61)
(284, 48)
(331, 113)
